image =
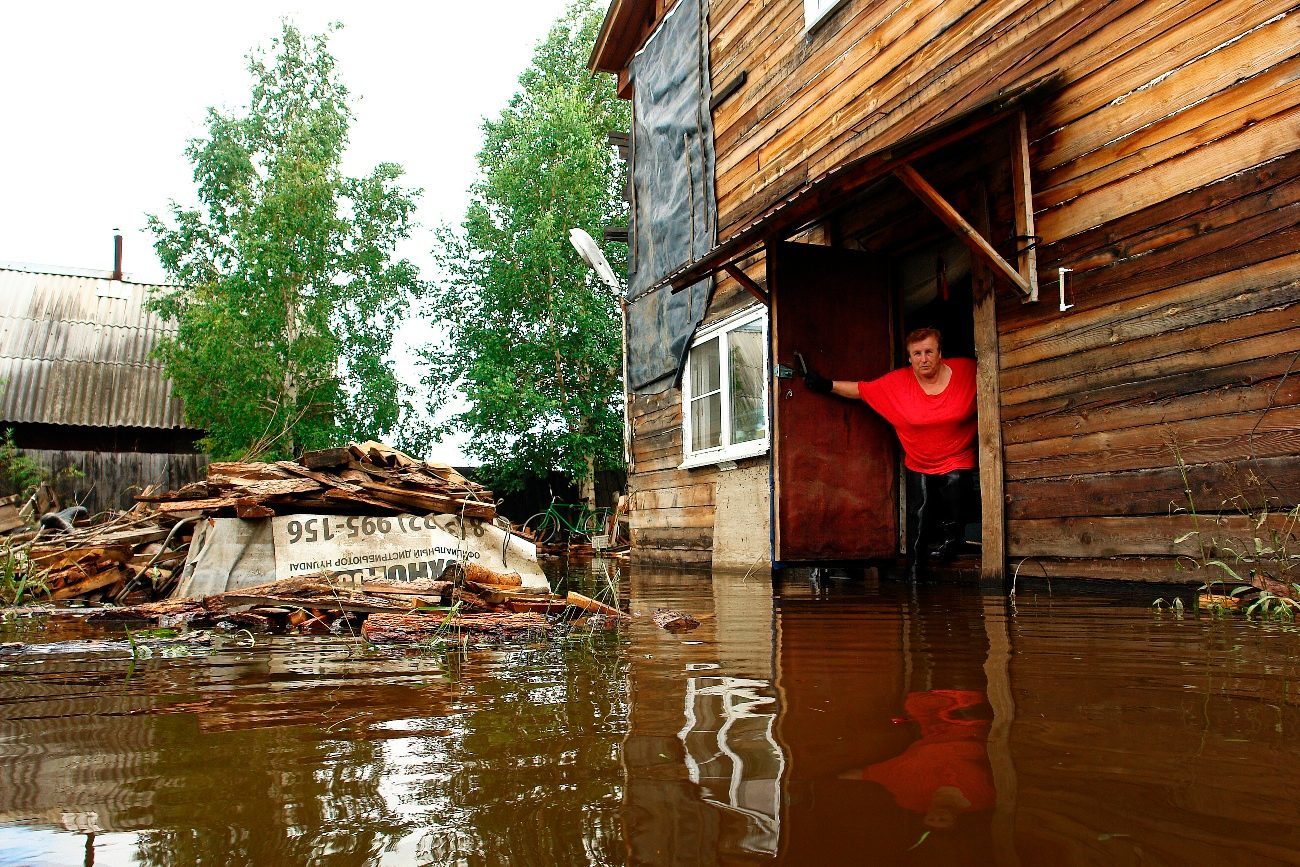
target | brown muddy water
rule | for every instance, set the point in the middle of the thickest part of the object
(840, 723)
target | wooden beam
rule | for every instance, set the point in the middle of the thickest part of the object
(746, 281)
(1026, 239)
(988, 402)
(948, 215)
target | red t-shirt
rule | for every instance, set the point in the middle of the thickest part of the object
(937, 430)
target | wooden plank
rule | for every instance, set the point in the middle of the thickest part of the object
(1192, 359)
(948, 215)
(1254, 386)
(1215, 487)
(1119, 537)
(1252, 146)
(673, 538)
(1023, 193)
(1180, 305)
(675, 518)
(993, 556)
(1243, 104)
(674, 497)
(747, 283)
(1239, 369)
(89, 584)
(1114, 253)
(1167, 330)
(1248, 435)
(1154, 570)
(423, 500)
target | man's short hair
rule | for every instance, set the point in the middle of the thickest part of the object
(916, 335)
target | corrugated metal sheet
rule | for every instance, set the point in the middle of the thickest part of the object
(75, 350)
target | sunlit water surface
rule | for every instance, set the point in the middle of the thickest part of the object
(839, 722)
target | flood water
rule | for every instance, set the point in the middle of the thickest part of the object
(844, 722)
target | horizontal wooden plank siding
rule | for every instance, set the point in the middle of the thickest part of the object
(1166, 176)
(671, 510)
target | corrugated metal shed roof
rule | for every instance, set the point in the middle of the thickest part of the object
(74, 349)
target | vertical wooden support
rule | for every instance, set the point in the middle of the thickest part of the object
(997, 674)
(1026, 239)
(993, 554)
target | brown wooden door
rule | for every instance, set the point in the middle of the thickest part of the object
(836, 484)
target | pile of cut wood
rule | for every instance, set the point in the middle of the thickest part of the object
(470, 601)
(360, 479)
(130, 557)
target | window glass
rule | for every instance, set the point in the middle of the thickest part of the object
(706, 372)
(706, 396)
(706, 422)
(748, 410)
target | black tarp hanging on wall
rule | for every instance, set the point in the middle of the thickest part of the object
(674, 213)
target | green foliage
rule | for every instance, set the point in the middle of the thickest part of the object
(533, 338)
(288, 291)
(1262, 561)
(20, 474)
(19, 582)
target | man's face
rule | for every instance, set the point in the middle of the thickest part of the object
(925, 357)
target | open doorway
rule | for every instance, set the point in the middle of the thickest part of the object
(935, 290)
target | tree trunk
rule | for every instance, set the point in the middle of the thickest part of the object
(587, 488)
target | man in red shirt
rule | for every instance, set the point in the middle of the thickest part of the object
(931, 405)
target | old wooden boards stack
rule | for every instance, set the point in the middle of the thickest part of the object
(129, 558)
(365, 479)
(473, 602)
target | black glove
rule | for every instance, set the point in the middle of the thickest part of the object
(816, 382)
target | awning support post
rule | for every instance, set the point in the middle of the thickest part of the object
(746, 281)
(1027, 256)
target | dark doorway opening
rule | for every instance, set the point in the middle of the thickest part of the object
(935, 290)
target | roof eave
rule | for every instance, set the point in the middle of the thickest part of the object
(626, 25)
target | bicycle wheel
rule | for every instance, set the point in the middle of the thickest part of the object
(596, 522)
(541, 527)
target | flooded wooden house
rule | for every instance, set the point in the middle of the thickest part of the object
(80, 388)
(1099, 202)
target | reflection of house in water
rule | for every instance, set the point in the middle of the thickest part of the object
(732, 754)
(741, 733)
(704, 768)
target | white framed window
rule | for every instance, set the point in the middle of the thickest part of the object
(815, 10)
(724, 391)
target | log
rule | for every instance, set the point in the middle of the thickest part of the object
(586, 603)
(418, 628)
(673, 620)
(483, 575)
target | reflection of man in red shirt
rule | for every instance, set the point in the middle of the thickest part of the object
(931, 405)
(947, 771)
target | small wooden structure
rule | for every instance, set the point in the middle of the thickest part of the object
(1099, 201)
(79, 386)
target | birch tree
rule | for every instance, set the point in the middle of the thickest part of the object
(288, 289)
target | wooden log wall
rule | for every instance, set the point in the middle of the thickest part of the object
(1165, 175)
(1169, 182)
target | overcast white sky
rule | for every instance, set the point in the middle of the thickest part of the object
(101, 98)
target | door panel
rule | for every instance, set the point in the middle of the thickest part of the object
(836, 470)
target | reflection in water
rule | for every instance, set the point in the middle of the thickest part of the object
(732, 755)
(791, 727)
(946, 771)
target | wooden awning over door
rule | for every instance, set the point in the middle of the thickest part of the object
(810, 203)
